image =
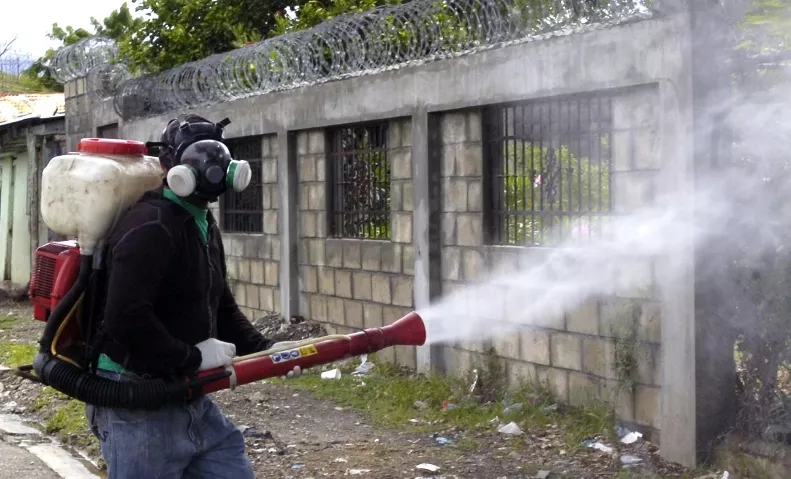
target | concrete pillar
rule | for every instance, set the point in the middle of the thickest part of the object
(426, 161)
(711, 47)
(287, 216)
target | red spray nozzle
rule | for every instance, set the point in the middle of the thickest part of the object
(407, 331)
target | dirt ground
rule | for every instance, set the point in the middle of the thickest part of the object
(292, 434)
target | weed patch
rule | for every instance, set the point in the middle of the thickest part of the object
(6, 322)
(394, 397)
(68, 421)
(13, 354)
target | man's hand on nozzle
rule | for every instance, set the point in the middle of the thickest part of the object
(296, 371)
(215, 353)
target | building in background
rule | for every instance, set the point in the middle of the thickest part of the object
(32, 131)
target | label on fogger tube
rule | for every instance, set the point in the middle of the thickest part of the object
(293, 354)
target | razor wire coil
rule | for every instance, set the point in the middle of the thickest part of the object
(385, 37)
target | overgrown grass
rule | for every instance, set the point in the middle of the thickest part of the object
(15, 354)
(388, 395)
(71, 425)
(7, 322)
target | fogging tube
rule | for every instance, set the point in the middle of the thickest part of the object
(407, 331)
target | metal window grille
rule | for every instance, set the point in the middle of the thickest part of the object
(549, 170)
(359, 171)
(244, 212)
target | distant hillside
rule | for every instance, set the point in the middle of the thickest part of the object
(13, 78)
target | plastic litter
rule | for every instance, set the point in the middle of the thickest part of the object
(331, 374)
(340, 459)
(513, 408)
(297, 466)
(474, 381)
(628, 460)
(427, 467)
(631, 438)
(725, 475)
(598, 446)
(447, 406)
(551, 408)
(443, 441)
(421, 405)
(511, 428)
(356, 472)
(365, 367)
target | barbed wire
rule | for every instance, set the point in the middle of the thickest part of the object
(77, 60)
(386, 37)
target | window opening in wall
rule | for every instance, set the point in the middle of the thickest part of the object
(244, 212)
(548, 164)
(359, 182)
(108, 131)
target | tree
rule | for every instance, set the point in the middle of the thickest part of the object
(177, 31)
(5, 46)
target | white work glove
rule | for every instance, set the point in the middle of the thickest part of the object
(296, 371)
(215, 353)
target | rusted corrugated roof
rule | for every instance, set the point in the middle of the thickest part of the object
(44, 105)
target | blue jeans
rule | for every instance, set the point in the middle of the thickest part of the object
(188, 441)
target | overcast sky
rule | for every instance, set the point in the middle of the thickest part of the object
(31, 20)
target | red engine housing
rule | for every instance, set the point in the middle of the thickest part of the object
(55, 270)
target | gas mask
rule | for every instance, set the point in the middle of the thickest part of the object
(202, 166)
(206, 170)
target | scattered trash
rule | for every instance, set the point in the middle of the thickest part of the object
(510, 428)
(474, 381)
(273, 450)
(248, 431)
(414, 421)
(543, 474)
(631, 438)
(598, 446)
(551, 408)
(621, 431)
(331, 374)
(4, 368)
(297, 466)
(443, 441)
(340, 459)
(356, 472)
(421, 405)
(427, 467)
(725, 475)
(494, 420)
(629, 460)
(338, 408)
(516, 407)
(365, 367)
(447, 406)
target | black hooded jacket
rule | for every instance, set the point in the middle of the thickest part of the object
(166, 291)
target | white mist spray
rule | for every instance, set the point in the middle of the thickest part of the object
(547, 282)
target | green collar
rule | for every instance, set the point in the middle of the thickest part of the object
(193, 210)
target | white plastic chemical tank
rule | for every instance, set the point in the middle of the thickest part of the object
(83, 193)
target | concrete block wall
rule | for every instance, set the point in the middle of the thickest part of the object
(577, 352)
(80, 114)
(253, 260)
(351, 284)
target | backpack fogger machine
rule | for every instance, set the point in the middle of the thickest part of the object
(82, 196)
